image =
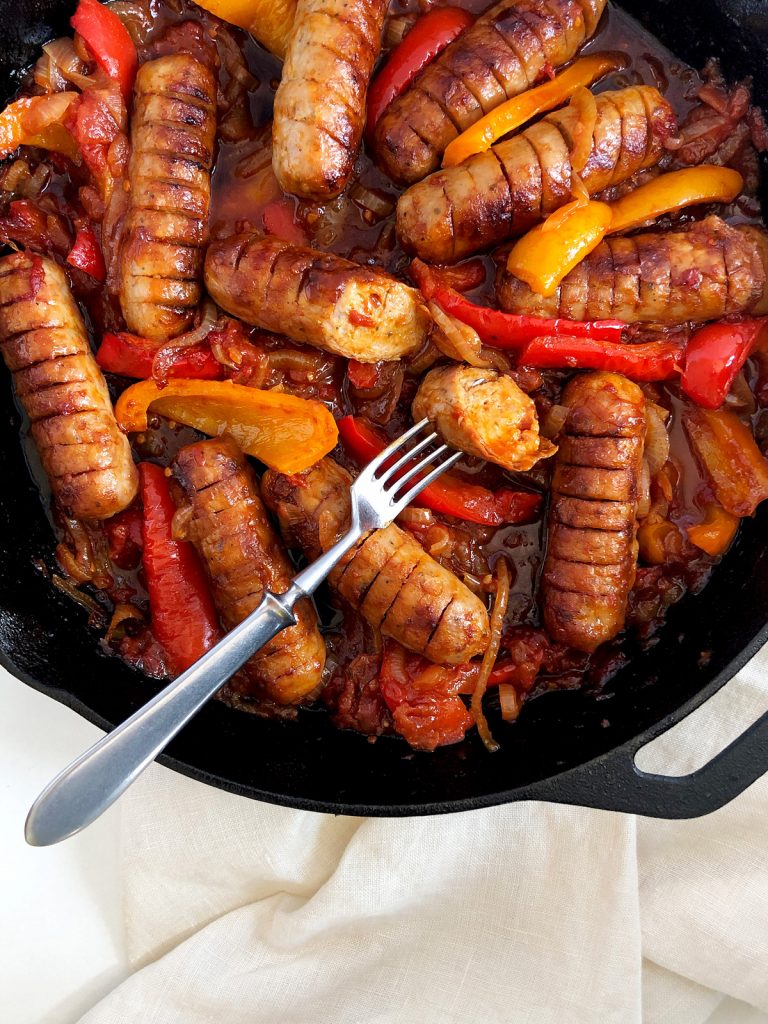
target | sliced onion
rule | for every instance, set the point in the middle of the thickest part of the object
(121, 614)
(64, 58)
(376, 201)
(644, 491)
(510, 701)
(455, 339)
(554, 421)
(50, 111)
(492, 651)
(96, 614)
(741, 397)
(656, 438)
(584, 103)
(136, 19)
(166, 354)
(396, 28)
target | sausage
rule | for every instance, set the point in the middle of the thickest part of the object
(705, 271)
(513, 185)
(504, 53)
(319, 298)
(222, 514)
(320, 103)
(592, 522)
(483, 413)
(62, 390)
(387, 577)
(169, 178)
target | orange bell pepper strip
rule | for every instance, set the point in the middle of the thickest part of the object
(515, 112)
(548, 252)
(269, 21)
(287, 433)
(716, 531)
(36, 121)
(669, 192)
(728, 454)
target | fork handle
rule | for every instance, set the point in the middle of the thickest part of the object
(92, 783)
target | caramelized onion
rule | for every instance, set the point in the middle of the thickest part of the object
(166, 354)
(121, 614)
(136, 19)
(584, 103)
(489, 658)
(510, 702)
(656, 438)
(66, 63)
(396, 28)
(96, 614)
(644, 491)
(456, 340)
(554, 421)
(378, 203)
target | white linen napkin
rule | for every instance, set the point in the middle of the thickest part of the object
(532, 913)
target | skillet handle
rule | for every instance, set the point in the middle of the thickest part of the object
(615, 783)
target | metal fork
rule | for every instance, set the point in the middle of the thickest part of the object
(92, 783)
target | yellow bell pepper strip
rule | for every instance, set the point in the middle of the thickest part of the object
(515, 112)
(287, 433)
(728, 454)
(36, 121)
(716, 531)
(669, 192)
(548, 252)
(269, 21)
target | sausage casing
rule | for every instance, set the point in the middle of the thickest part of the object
(705, 271)
(319, 298)
(222, 514)
(173, 130)
(387, 577)
(483, 413)
(513, 185)
(320, 103)
(592, 522)
(504, 53)
(62, 389)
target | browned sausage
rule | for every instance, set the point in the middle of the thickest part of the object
(172, 137)
(63, 392)
(591, 547)
(329, 302)
(387, 577)
(512, 186)
(705, 271)
(483, 413)
(504, 53)
(320, 103)
(223, 516)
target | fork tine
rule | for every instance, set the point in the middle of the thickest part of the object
(404, 459)
(425, 481)
(375, 464)
(419, 468)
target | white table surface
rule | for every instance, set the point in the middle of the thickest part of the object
(61, 934)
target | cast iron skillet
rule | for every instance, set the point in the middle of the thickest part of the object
(567, 747)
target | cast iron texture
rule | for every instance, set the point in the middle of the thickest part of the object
(567, 747)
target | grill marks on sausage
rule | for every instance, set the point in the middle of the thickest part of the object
(173, 137)
(324, 300)
(591, 547)
(398, 588)
(501, 55)
(705, 271)
(244, 557)
(62, 390)
(319, 108)
(509, 188)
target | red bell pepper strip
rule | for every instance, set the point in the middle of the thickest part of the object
(184, 620)
(507, 330)
(648, 361)
(133, 357)
(86, 254)
(109, 41)
(449, 494)
(429, 36)
(279, 219)
(713, 357)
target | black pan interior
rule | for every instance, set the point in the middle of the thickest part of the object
(44, 638)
